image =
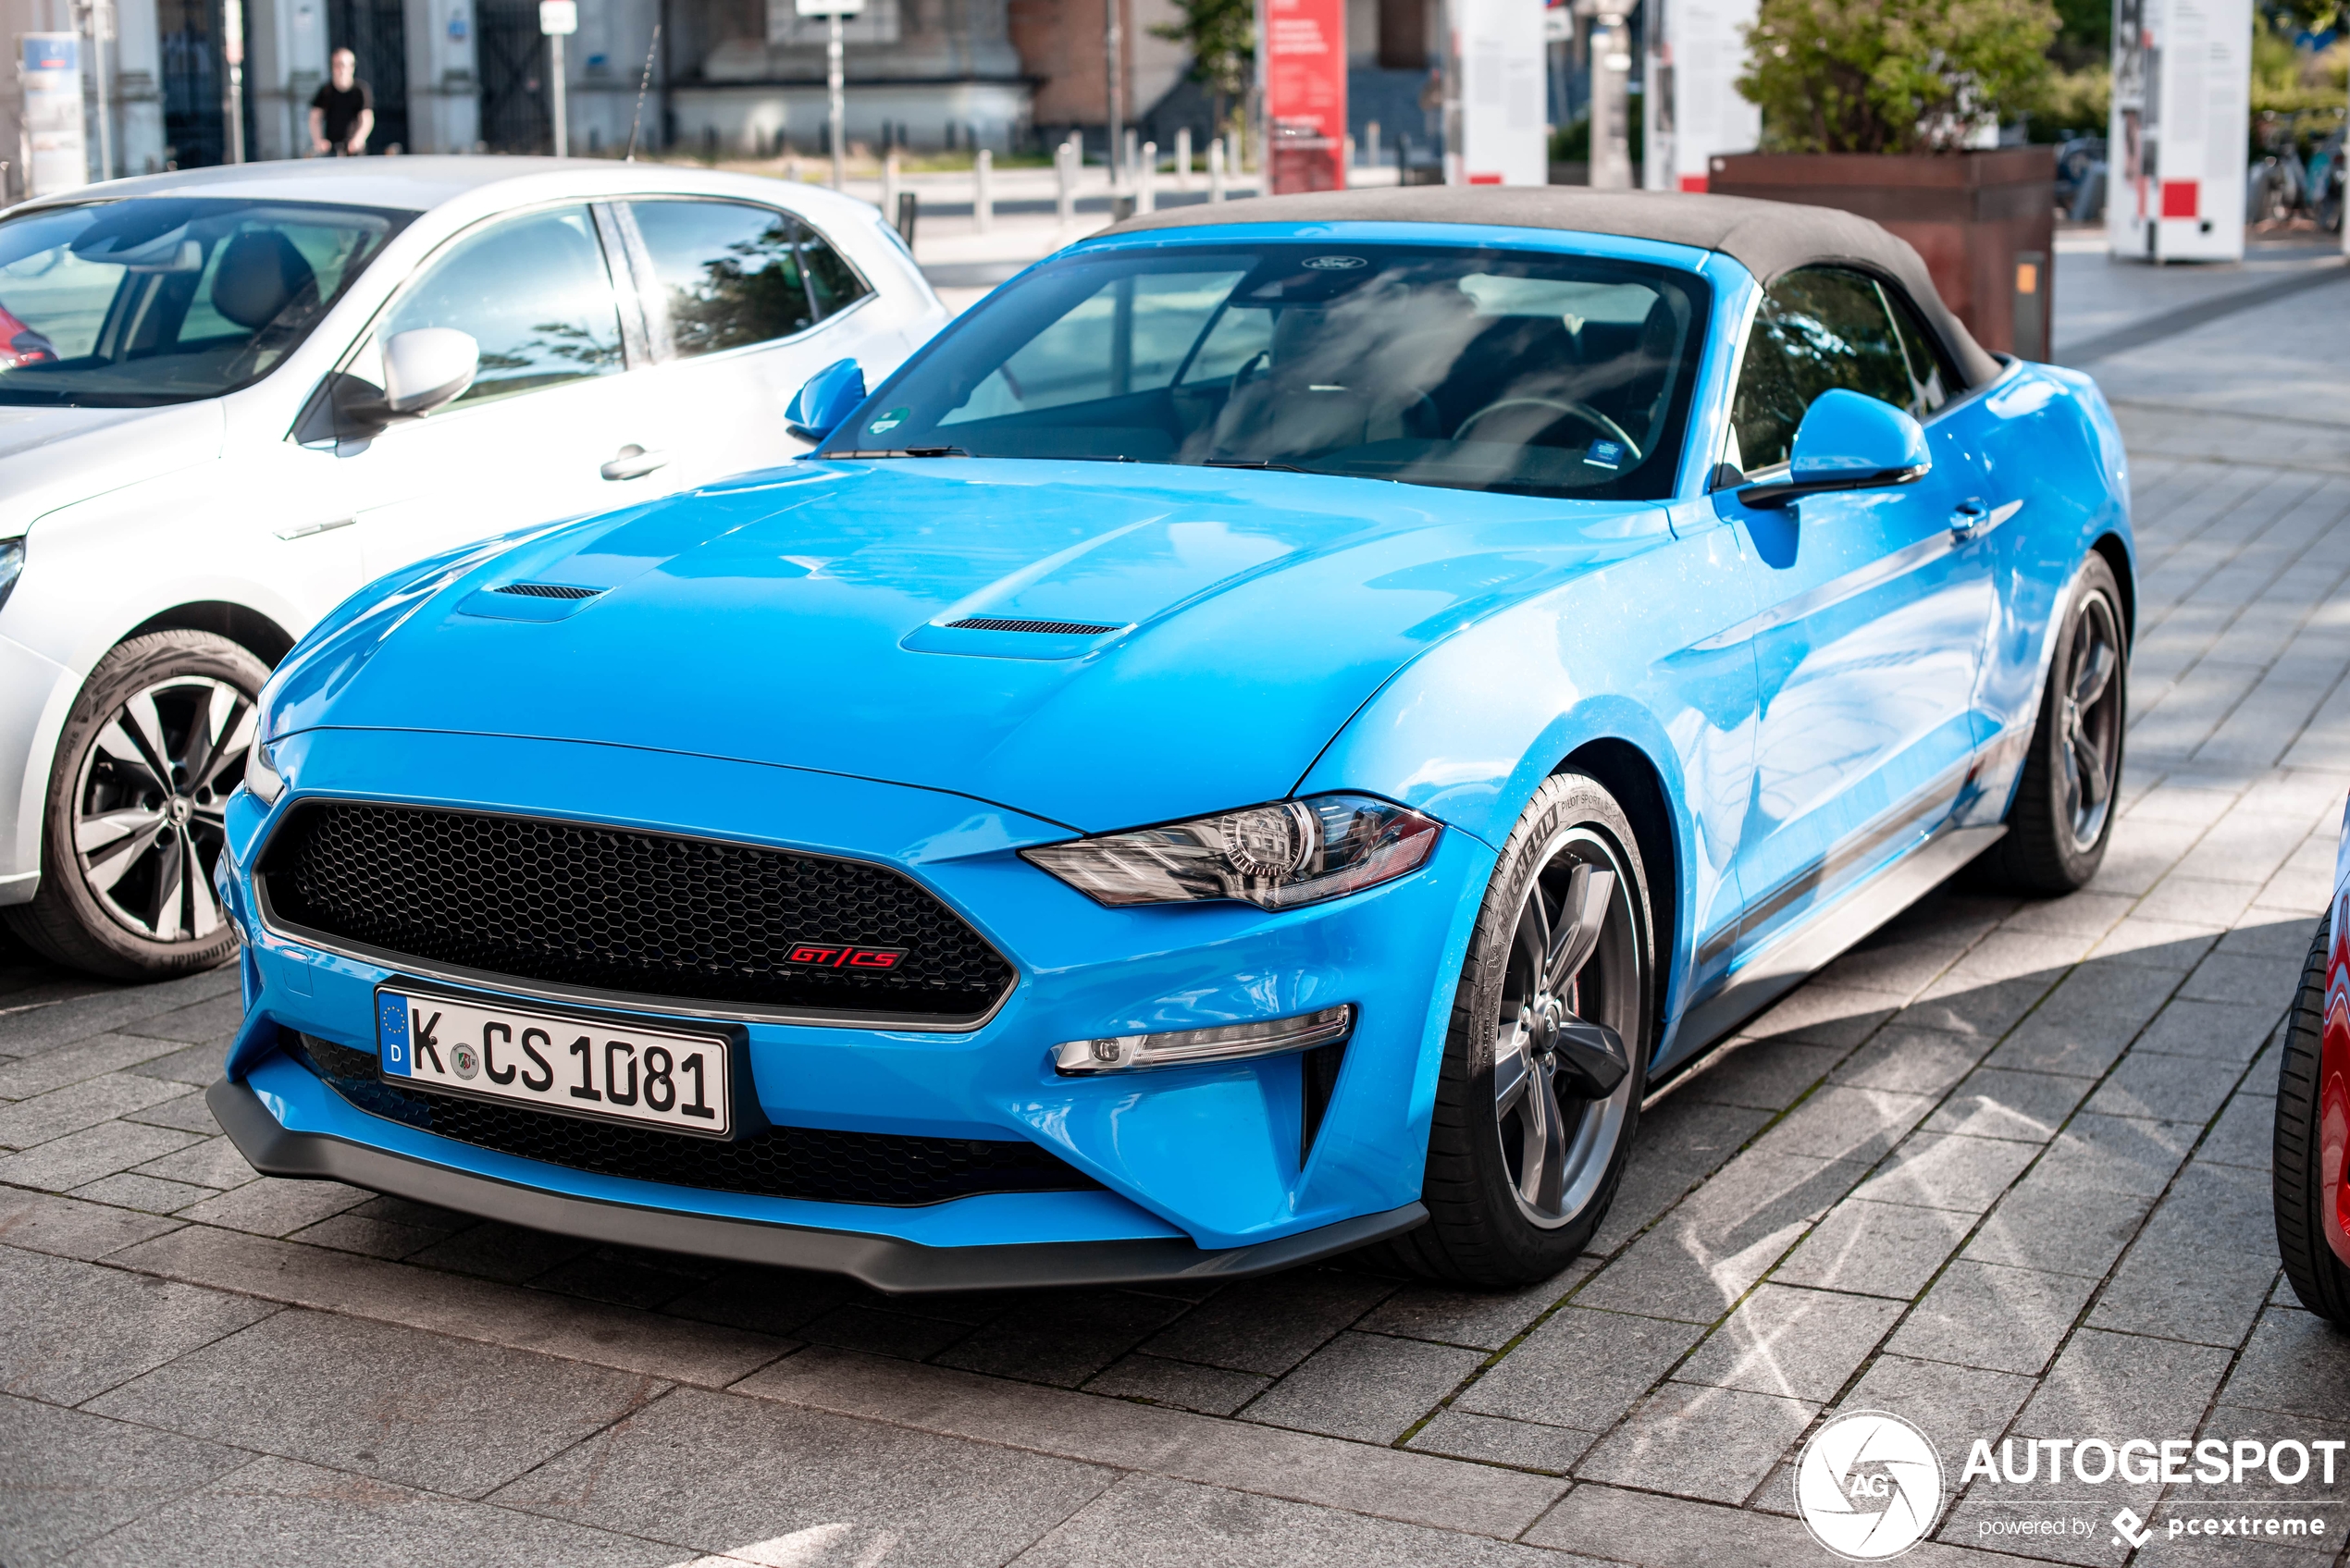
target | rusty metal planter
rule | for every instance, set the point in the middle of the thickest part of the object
(1984, 222)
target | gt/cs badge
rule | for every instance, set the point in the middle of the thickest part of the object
(839, 955)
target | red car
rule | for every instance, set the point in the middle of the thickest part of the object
(21, 345)
(2313, 1115)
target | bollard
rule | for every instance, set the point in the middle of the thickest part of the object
(1065, 158)
(1215, 168)
(908, 209)
(791, 168)
(1146, 180)
(1371, 145)
(983, 190)
(1182, 157)
(1133, 140)
(889, 180)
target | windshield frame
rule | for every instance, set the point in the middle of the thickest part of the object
(395, 220)
(1711, 292)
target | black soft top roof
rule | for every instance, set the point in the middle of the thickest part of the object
(1769, 238)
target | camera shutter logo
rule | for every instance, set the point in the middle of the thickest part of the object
(1868, 1486)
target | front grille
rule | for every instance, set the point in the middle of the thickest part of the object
(615, 911)
(783, 1162)
(997, 623)
(547, 590)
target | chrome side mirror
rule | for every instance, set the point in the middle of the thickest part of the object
(830, 396)
(1847, 441)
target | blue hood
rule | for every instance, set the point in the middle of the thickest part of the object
(803, 618)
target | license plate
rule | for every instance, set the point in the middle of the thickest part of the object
(608, 1068)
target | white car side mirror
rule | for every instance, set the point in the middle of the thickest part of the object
(426, 368)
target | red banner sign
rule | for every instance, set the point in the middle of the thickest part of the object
(1305, 93)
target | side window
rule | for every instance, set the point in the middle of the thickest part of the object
(534, 293)
(1819, 328)
(1931, 377)
(831, 282)
(729, 273)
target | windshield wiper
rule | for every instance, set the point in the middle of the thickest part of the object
(899, 452)
(1250, 463)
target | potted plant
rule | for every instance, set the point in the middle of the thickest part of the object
(1883, 108)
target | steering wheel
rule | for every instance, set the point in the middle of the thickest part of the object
(1583, 412)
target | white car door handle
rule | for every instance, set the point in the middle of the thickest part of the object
(633, 461)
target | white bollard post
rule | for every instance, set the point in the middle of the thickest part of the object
(1182, 157)
(1134, 138)
(1065, 181)
(889, 186)
(1370, 144)
(1215, 168)
(1346, 163)
(983, 190)
(1146, 180)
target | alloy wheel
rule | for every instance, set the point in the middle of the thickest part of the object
(149, 801)
(1561, 1079)
(2092, 717)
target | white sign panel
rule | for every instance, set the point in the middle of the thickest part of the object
(1499, 50)
(2182, 119)
(558, 18)
(49, 73)
(1697, 52)
(828, 8)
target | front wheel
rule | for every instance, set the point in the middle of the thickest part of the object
(2304, 1143)
(1545, 1061)
(133, 824)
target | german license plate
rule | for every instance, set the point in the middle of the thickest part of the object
(611, 1070)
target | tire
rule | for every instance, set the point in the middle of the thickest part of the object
(2057, 832)
(1490, 1222)
(150, 789)
(2318, 1278)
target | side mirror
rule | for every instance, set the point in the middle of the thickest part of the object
(830, 396)
(426, 368)
(1847, 441)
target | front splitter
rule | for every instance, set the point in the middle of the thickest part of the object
(888, 1264)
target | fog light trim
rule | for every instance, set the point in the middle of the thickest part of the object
(1224, 1042)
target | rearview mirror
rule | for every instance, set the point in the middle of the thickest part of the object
(1847, 441)
(425, 368)
(830, 396)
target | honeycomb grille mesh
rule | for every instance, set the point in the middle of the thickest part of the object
(783, 1162)
(620, 912)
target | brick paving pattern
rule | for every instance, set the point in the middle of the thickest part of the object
(2003, 1169)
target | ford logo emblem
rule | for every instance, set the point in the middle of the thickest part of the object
(1335, 263)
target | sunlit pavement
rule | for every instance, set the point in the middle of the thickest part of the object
(2003, 1170)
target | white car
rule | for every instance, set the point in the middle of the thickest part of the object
(229, 396)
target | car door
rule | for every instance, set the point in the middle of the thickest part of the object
(743, 304)
(1872, 614)
(545, 430)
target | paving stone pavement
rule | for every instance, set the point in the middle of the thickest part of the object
(2002, 1170)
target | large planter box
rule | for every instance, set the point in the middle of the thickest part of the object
(1984, 222)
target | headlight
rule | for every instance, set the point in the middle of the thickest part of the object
(262, 776)
(1275, 857)
(11, 564)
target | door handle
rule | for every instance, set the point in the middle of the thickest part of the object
(633, 461)
(305, 530)
(1968, 516)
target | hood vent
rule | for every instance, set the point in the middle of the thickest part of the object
(1049, 628)
(547, 590)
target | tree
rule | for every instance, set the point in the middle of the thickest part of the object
(1892, 76)
(1221, 35)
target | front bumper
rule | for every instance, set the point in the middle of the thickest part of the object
(1199, 1163)
(884, 1263)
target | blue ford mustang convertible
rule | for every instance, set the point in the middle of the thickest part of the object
(1272, 736)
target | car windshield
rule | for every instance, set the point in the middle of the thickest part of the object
(1479, 369)
(166, 299)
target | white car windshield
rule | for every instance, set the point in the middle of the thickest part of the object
(166, 299)
(1538, 372)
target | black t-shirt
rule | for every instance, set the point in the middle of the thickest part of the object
(343, 106)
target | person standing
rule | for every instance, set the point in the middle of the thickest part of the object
(342, 112)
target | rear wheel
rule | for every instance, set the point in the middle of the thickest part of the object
(132, 823)
(2062, 818)
(2318, 1278)
(1544, 1064)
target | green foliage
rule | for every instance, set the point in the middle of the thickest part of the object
(1892, 76)
(2085, 36)
(2287, 81)
(2077, 100)
(1222, 36)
